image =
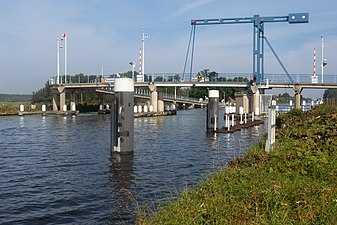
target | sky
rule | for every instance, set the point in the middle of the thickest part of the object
(109, 32)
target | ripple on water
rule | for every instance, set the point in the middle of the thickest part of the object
(58, 170)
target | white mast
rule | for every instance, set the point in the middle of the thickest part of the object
(58, 61)
(322, 65)
(143, 54)
(65, 57)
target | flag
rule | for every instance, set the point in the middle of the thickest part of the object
(63, 36)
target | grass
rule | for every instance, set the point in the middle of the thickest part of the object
(294, 184)
(7, 108)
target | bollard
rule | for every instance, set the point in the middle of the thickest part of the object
(227, 111)
(290, 104)
(245, 118)
(135, 109)
(233, 120)
(73, 107)
(100, 107)
(65, 108)
(253, 116)
(43, 109)
(303, 105)
(122, 116)
(212, 110)
(140, 108)
(21, 110)
(145, 108)
(241, 112)
(151, 108)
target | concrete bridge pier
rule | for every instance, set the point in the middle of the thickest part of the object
(55, 100)
(59, 95)
(156, 98)
(255, 100)
(160, 105)
(298, 90)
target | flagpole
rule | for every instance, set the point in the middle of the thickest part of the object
(143, 54)
(58, 61)
(322, 65)
(65, 58)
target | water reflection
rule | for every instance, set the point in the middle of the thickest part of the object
(121, 175)
(63, 164)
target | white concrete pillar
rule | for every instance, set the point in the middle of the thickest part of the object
(55, 97)
(160, 105)
(146, 109)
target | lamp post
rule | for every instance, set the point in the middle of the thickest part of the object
(132, 69)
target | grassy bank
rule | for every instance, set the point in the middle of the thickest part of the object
(294, 184)
(12, 108)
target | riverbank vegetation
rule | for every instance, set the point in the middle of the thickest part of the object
(294, 184)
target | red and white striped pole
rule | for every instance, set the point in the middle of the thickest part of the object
(140, 61)
(314, 62)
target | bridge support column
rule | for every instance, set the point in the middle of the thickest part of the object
(160, 104)
(298, 90)
(213, 110)
(297, 100)
(62, 100)
(154, 97)
(55, 100)
(256, 100)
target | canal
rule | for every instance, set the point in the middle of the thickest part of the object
(58, 170)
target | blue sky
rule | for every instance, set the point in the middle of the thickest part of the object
(109, 32)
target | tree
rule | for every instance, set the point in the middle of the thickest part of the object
(213, 76)
(330, 93)
(43, 95)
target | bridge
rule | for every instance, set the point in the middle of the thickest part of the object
(153, 93)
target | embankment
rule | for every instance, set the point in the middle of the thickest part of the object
(294, 184)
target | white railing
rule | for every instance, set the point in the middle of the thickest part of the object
(225, 77)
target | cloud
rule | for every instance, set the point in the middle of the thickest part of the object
(188, 7)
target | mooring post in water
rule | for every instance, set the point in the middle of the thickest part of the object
(241, 113)
(227, 118)
(212, 110)
(122, 116)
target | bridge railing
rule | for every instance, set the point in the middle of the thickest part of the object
(229, 77)
(222, 77)
(146, 92)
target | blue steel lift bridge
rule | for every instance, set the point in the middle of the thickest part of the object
(258, 38)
